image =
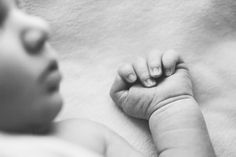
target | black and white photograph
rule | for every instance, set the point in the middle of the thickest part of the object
(117, 78)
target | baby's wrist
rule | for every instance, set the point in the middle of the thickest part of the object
(179, 108)
(180, 125)
(172, 102)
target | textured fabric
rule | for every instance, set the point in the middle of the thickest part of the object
(93, 37)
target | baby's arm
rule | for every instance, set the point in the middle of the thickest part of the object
(177, 133)
(95, 137)
(159, 89)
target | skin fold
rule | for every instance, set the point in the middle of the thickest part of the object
(94, 37)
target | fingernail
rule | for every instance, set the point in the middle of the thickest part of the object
(156, 71)
(149, 82)
(168, 72)
(132, 77)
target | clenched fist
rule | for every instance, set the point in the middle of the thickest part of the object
(150, 83)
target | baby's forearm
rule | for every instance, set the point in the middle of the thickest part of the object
(179, 130)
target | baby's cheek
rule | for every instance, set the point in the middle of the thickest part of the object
(11, 86)
(18, 93)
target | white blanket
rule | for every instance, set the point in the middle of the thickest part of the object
(93, 37)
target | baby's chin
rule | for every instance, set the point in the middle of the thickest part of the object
(44, 118)
(53, 108)
(56, 104)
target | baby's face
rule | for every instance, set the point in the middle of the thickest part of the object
(29, 75)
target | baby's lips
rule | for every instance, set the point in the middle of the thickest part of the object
(53, 80)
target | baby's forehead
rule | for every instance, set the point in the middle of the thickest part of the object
(7, 3)
(4, 2)
(5, 6)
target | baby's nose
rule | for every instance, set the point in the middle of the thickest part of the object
(34, 39)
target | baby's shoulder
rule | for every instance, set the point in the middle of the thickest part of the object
(80, 126)
(82, 132)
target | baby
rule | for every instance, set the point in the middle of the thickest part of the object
(30, 98)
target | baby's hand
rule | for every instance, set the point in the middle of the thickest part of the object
(159, 89)
(149, 84)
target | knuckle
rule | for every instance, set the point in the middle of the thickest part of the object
(138, 60)
(153, 63)
(154, 53)
(124, 68)
(172, 54)
(144, 76)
